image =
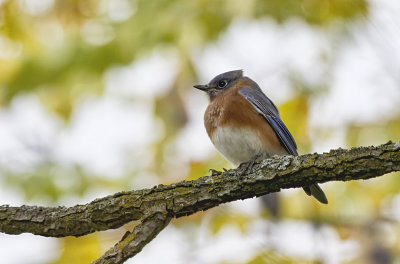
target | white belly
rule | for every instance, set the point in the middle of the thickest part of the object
(237, 145)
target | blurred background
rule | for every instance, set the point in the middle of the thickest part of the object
(96, 97)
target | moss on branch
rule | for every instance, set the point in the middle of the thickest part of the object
(156, 206)
(188, 197)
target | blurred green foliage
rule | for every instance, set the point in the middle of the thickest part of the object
(318, 12)
(274, 257)
(61, 54)
(48, 183)
(79, 250)
(65, 70)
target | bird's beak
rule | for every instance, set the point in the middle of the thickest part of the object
(202, 87)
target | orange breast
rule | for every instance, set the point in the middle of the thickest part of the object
(231, 110)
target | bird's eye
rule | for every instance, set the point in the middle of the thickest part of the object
(222, 84)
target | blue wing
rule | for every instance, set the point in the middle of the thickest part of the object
(268, 110)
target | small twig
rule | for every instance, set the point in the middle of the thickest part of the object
(133, 242)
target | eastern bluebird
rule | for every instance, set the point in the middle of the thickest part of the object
(243, 123)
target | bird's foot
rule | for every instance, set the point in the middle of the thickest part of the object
(214, 172)
(248, 165)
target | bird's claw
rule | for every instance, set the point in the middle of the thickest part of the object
(214, 172)
(248, 165)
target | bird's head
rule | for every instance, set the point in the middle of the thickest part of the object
(220, 83)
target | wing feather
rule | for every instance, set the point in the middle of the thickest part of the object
(268, 110)
(264, 106)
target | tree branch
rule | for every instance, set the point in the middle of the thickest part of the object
(156, 206)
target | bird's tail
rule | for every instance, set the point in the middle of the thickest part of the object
(317, 192)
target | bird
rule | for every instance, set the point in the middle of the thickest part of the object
(244, 124)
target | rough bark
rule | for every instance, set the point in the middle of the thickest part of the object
(132, 243)
(156, 206)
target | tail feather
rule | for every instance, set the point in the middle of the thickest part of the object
(316, 192)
